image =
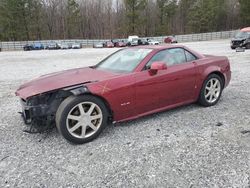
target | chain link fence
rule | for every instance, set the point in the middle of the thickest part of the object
(18, 45)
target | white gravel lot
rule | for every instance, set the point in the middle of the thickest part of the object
(177, 148)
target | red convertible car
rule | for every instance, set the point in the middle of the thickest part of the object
(130, 83)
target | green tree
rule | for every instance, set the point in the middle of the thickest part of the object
(17, 19)
(167, 9)
(133, 11)
(245, 12)
(206, 15)
(73, 18)
(35, 17)
(13, 20)
(221, 15)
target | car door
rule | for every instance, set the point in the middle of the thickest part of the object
(179, 80)
(146, 92)
(172, 86)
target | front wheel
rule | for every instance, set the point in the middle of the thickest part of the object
(248, 46)
(81, 119)
(211, 90)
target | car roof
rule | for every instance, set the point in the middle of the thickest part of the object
(246, 29)
(159, 47)
(168, 46)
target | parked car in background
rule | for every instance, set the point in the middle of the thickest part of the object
(153, 42)
(64, 46)
(76, 46)
(128, 84)
(125, 41)
(115, 42)
(241, 39)
(35, 46)
(53, 46)
(98, 45)
(38, 46)
(70, 45)
(120, 44)
(170, 40)
(28, 47)
(143, 42)
(108, 44)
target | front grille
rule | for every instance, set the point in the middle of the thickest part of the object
(237, 42)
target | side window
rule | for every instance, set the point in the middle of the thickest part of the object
(178, 56)
(160, 56)
(173, 56)
(189, 56)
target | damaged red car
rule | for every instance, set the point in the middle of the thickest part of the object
(128, 84)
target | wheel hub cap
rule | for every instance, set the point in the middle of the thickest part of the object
(84, 120)
(212, 90)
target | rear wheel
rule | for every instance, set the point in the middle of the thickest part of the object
(81, 119)
(211, 90)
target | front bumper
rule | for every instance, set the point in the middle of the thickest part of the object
(30, 112)
(236, 44)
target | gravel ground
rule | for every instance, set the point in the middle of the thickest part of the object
(189, 146)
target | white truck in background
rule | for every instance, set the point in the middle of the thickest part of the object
(133, 40)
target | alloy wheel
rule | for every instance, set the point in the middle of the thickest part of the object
(212, 90)
(84, 120)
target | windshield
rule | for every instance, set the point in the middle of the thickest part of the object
(241, 34)
(123, 61)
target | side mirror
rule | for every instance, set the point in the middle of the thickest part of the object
(158, 65)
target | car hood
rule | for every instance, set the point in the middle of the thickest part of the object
(239, 39)
(60, 80)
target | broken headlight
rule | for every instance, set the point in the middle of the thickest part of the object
(39, 99)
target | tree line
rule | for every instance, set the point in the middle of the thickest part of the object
(100, 19)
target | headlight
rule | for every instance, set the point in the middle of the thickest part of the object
(77, 90)
(39, 99)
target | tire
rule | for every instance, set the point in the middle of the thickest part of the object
(81, 119)
(211, 90)
(248, 46)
